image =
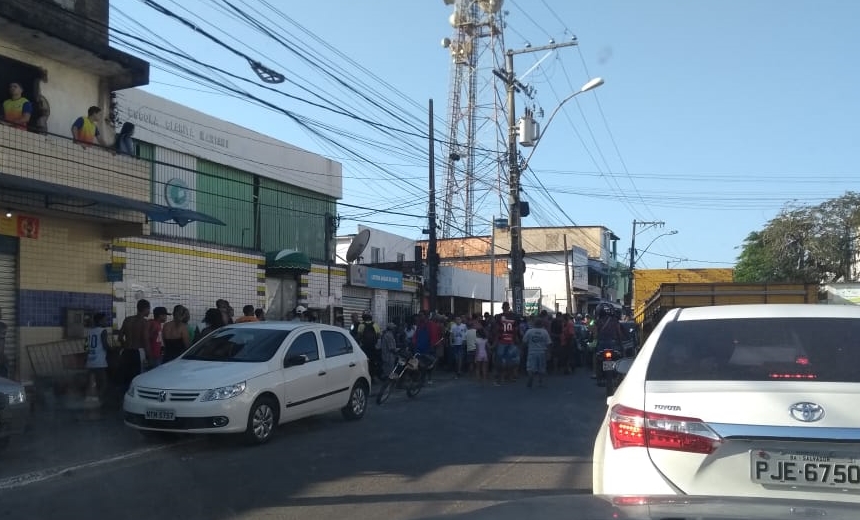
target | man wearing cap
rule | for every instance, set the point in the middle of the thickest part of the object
(156, 341)
(299, 313)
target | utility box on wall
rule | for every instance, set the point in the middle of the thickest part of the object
(77, 321)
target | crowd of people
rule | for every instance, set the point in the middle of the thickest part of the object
(147, 339)
(497, 348)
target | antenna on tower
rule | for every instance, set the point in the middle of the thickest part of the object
(477, 130)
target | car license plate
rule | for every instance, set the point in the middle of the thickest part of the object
(805, 469)
(161, 415)
(608, 365)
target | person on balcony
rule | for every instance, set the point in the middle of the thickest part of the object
(85, 129)
(124, 144)
(17, 109)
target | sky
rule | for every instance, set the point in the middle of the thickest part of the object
(713, 115)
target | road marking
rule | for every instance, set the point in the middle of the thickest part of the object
(34, 477)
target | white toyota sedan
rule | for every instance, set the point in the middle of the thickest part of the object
(741, 400)
(249, 378)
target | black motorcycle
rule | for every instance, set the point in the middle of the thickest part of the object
(409, 372)
(607, 375)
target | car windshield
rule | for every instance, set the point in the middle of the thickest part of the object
(240, 344)
(758, 349)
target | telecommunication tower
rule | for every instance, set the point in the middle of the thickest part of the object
(477, 128)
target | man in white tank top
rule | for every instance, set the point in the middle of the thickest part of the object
(98, 343)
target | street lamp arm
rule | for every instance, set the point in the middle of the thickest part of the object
(592, 84)
(673, 232)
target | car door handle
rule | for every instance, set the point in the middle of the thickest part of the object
(352, 364)
(321, 373)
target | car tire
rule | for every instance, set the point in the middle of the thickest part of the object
(384, 392)
(262, 421)
(357, 404)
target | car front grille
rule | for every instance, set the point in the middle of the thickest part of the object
(168, 395)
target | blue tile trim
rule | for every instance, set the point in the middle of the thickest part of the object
(48, 308)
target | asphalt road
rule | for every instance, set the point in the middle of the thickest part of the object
(459, 446)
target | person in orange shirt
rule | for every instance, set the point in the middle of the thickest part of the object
(248, 315)
(85, 130)
(17, 109)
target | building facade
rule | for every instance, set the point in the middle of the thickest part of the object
(200, 210)
(62, 203)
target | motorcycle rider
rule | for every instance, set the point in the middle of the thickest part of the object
(609, 336)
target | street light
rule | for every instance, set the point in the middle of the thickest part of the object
(673, 232)
(590, 85)
(517, 281)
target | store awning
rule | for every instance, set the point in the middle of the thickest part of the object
(288, 259)
(155, 212)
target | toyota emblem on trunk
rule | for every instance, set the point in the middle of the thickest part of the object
(162, 396)
(806, 412)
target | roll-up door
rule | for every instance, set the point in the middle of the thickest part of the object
(9, 301)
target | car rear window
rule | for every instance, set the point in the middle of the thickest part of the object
(758, 349)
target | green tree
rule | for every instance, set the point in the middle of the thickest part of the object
(810, 244)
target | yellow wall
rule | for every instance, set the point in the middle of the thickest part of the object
(69, 255)
(647, 281)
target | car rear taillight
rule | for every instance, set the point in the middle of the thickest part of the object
(607, 354)
(630, 427)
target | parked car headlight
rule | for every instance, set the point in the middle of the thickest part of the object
(224, 392)
(18, 397)
(130, 391)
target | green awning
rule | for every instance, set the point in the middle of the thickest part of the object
(288, 259)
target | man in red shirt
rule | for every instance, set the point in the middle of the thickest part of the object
(506, 332)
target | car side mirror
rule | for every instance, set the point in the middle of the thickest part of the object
(294, 361)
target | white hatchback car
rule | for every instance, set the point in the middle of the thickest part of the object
(249, 378)
(741, 400)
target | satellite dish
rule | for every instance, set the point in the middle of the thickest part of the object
(359, 243)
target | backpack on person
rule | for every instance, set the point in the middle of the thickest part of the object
(369, 336)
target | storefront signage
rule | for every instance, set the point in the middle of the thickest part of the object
(382, 279)
(363, 276)
(20, 226)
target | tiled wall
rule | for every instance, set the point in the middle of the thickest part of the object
(313, 289)
(63, 268)
(169, 273)
(68, 256)
(48, 308)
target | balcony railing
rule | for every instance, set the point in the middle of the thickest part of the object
(58, 160)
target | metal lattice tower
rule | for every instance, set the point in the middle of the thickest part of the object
(477, 128)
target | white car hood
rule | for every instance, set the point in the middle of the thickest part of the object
(182, 374)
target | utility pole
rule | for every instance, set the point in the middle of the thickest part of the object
(628, 299)
(567, 278)
(330, 233)
(432, 255)
(514, 86)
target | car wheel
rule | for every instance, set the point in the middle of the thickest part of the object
(385, 391)
(357, 404)
(262, 420)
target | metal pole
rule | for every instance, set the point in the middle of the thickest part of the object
(629, 298)
(493, 267)
(432, 256)
(329, 236)
(567, 278)
(517, 275)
